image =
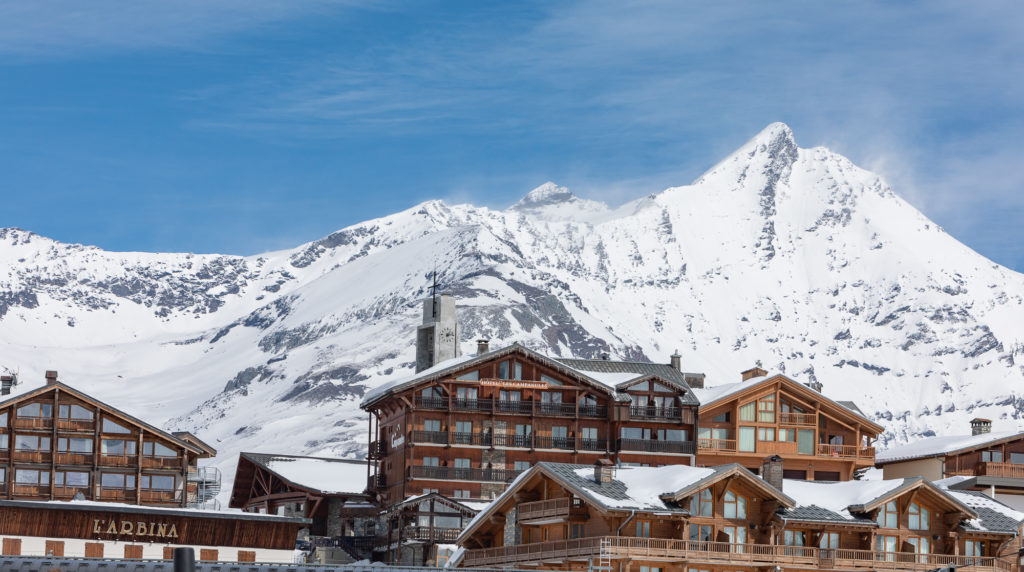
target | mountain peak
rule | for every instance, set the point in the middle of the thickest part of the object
(547, 194)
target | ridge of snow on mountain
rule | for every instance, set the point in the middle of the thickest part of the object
(795, 257)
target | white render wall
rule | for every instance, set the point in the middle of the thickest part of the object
(112, 549)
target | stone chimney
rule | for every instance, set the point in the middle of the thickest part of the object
(980, 426)
(51, 377)
(815, 385)
(6, 381)
(753, 372)
(676, 361)
(604, 471)
(482, 347)
(771, 471)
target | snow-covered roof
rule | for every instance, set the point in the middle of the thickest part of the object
(139, 509)
(328, 476)
(831, 501)
(993, 516)
(939, 446)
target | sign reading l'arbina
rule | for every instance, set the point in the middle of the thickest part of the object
(136, 528)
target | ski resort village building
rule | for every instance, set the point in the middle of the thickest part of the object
(81, 478)
(981, 461)
(679, 519)
(819, 439)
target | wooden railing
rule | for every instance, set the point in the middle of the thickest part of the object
(468, 404)
(63, 492)
(1008, 470)
(462, 474)
(160, 496)
(378, 449)
(116, 494)
(724, 552)
(161, 462)
(119, 460)
(845, 451)
(32, 422)
(798, 419)
(654, 412)
(74, 458)
(723, 445)
(551, 508)
(79, 425)
(21, 489)
(430, 534)
(32, 456)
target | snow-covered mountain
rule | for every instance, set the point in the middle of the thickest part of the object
(795, 257)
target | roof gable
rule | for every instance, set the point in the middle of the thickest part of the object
(732, 471)
(322, 475)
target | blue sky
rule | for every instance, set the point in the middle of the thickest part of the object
(246, 126)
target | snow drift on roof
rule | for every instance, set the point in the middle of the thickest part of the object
(644, 485)
(933, 446)
(838, 497)
(331, 476)
(388, 386)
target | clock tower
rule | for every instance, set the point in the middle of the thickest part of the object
(437, 339)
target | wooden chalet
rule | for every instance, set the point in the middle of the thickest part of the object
(329, 492)
(818, 438)
(467, 426)
(982, 461)
(57, 443)
(414, 529)
(683, 519)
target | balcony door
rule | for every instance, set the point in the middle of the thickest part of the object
(805, 441)
(746, 439)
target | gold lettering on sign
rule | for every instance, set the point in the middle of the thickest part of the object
(161, 530)
(140, 529)
(112, 529)
(173, 533)
(96, 526)
(127, 527)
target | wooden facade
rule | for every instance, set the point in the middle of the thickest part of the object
(819, 439)
(57, 443)
(727, 521)
(413, 527)
(466, 430)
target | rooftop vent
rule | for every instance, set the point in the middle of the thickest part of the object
(51, 377)
(482, 347)
(753, 372)
(815, 385)
(980, 426)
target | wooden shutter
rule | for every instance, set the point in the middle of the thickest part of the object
(208, 554)
(168, 553)
(247, 556)
(12, 547)
(94, 550)
(55, 548)
(133, 551)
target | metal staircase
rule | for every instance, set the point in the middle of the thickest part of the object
(203, 488)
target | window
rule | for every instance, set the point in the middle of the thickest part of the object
(746, 441)
(157, 482)
(805, 441)
(95, 550)
(470, 376)
(433, 425)
(32, 477)
(78, 479)
(794, 538)
(722, 417)
(55, 548)
(560, 436)
(74, 445)
(974, 548)
(735, 505)
(465, 393)
(747, 411)
(829, 540)
(3, 419)
(31, 443)
(432, 393)
(521, 465)
(888, 517)
(510, 369)
(765, 434)
(431, 462)
(787, 435)
(888, 545)
(917, 517)
(588, 433)
(575, 530)
(672, 434)
(12, 547)
(74, 412)
(701, 504)
(650, 569)
(117, 447)
(461, 463)
(737, 535)
(117, 481)
(110, 426)
(766, 409)
(635, 433)
(155, 449)
(643, 529)
(551, 397)
(461, 494)
(700, 532)
(1015, 458)
(36, 410)
(208, 554)
(922, 546)
(464, 431)
(991, 456)
(510, 395)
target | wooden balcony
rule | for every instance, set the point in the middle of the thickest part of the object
(62, 492)
(38, 457)
(119, 460)
(650, 446)
(35, 423)
(429, 534)
(160, 496)
(556, 409)
(465, 404)
(845, 451)
(514, 407)
(1006, 470)
(654, 413)
(161, 462)
(431, 402)
(716, 445)
(77, 425)
(109, 494)
(74, 458)
(808, 419)
(28, 490)
(692, 552)
(378, 450)
(549, 510)
(462, 474)
(712, 446)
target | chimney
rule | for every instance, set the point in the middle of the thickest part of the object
(676, 361)
(6, 381)
(815, 385)
(51, 377)
(482, 347)
(753, 372)
(771, 471)
(980, 426)
(604, 471)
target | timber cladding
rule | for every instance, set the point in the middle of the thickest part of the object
(148, 527)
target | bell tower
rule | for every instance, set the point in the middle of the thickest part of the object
(437, 339)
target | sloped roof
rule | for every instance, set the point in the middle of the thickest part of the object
(847, 501)
(993, 516)
(320, 474)
(633, 370)
(108, 408)
(944, 445)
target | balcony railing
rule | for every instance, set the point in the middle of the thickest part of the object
(845, 451)
(77, 425)
(540, 442)
(592, 444)
(466, 404)
(785, 447)
(116, 494)
(619, 547)
(119, 460)
(376, 482)
(32, 456)
(650, 446)
(161, 462)
(551, 508)
(518, 407)
(21, 422)
(74, 458)
(430, 534)
(557, 409)
(160, 496)
(431, 402)
(1006, 470)
(798, 419)
(509, 440)
(378, 450)
(594, 411)
(64, 492)
(434, 437)
(462, 474)
(722, 445)
(661, 413)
